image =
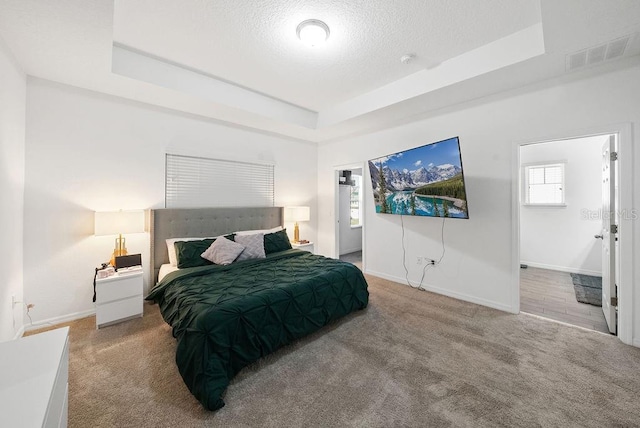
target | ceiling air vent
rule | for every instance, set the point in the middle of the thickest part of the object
(576, 60)
(617, 48)
(597, 54)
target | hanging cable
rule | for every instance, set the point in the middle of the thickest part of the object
(442, 239)
(404, 259)
(431, 262)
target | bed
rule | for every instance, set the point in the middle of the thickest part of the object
(225, 317)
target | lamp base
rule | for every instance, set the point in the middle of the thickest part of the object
(119, 250)
(296, 233)
(117, 253)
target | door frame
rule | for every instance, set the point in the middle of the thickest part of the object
(336, 208)
(609, 240)
(625, 227)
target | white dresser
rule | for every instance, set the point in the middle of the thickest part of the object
(119, 297)
(34, 376)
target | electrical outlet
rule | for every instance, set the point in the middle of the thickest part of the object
(419, 260)
(433, 262)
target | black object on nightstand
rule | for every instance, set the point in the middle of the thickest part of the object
(128, 261)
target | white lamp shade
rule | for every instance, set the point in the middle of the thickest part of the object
(119, 222)
(292, 214)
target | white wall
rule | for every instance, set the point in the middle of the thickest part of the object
(562, 238)
(478, 262)
(88, 152)
(12, 127)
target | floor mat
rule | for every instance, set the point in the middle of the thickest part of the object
(588, 288)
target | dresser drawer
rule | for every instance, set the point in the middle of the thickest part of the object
(109, 291)
(57, 407)
(64, 416)
(118, 310)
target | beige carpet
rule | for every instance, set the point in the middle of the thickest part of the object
(412, 358)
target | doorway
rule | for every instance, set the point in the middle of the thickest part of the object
(567, 273)
(349, 217)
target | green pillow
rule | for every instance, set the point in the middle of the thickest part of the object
(277, 241)
(188, 252)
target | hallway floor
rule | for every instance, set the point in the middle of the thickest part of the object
(549, 294)
(355, 258)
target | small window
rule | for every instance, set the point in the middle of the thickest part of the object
(544, 184)
(356, 201)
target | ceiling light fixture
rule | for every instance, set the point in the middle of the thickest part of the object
(406, 59)
(313, 32)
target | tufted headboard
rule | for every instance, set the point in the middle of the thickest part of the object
(201, 222)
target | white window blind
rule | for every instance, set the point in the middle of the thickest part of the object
(193, 182)
(544, 184)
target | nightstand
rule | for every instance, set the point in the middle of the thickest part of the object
(304, 247)
(118, 297)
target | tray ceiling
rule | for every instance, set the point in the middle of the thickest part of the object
(239, 61)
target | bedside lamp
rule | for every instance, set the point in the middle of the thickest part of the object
(296, 214)
(119, 223)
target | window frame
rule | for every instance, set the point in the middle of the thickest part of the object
(525, 194)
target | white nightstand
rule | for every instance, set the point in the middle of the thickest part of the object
(304, 247)
(118, 297)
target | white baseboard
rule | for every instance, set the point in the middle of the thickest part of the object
(60, 319)
(636, 343)
(562, 268)
(445, 292)
(19, 333)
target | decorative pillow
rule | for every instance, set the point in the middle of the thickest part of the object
(223, 251)
(278, 241)
(188, 252)
(171, 249)
(264, 231)
(253, 246)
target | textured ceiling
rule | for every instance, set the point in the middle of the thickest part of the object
(254, 44)
(355, 83)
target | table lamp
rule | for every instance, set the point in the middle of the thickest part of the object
(119, 223)
(296, 214)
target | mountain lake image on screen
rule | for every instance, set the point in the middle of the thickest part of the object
(424, 181)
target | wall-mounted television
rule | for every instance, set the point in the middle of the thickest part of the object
(424, 181)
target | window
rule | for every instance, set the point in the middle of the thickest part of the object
(193, 182)
(544, 184)
(356, 201)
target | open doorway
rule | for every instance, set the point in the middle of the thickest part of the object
(349, 215)
(568, 237)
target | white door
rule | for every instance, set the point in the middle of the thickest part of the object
(609, 229)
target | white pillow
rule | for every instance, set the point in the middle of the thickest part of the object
(263, 231)
(222, 251)
(253, 246)
(171, 249)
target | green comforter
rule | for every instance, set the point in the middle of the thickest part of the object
(226, 317)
